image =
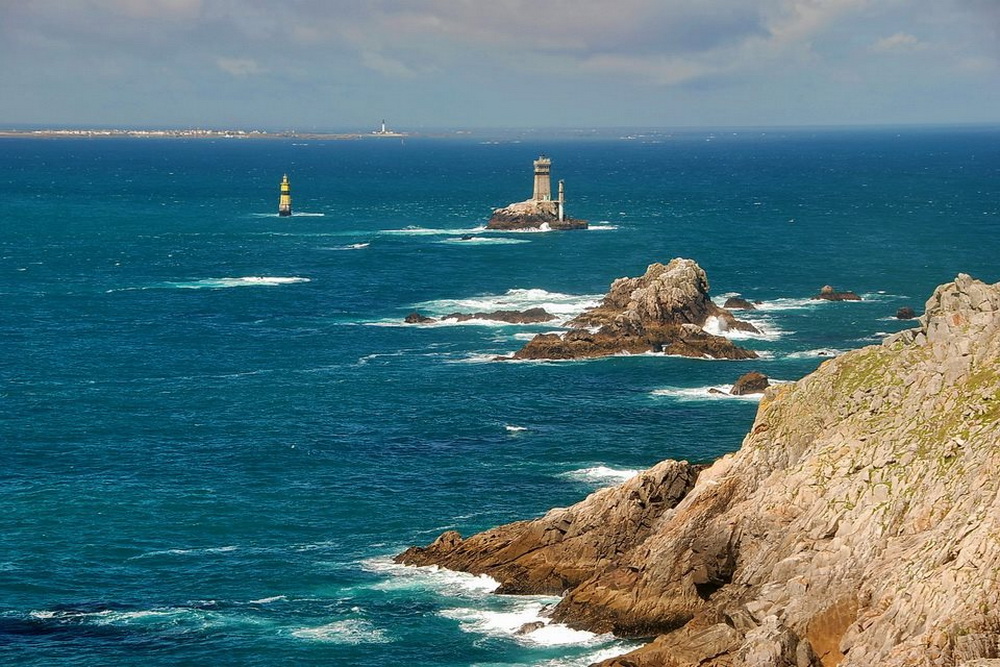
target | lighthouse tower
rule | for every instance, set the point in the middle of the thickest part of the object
(285, 200)
(543, 184)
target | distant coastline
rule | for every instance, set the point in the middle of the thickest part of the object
(188, 134)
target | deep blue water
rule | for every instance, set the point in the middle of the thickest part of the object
(216, 432)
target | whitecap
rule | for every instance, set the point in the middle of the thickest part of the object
(430, 231)
(766, 329)
(601, 228)
(787, 303)
(221, 283)
(441, 580)
(704, 393)
(601, 474)
(561, 305)
(269, 600)
(822, 352)
(515, 429)
(508, 623)
(350, 631)
(350, 246)
(482, 240)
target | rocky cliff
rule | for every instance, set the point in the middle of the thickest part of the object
(858, 524)
(664, 310)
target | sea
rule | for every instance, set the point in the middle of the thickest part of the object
(216, 430)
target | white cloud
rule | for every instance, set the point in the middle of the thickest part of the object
(239, 66)
(900, 42)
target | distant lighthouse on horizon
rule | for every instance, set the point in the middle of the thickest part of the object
(285, 200)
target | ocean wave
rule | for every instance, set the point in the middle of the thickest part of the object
(295, 214)
(352, 631)
(187, 552)
(601, 227)
(222, 283)
(510, 622)
(430, 231)
(432, 577)
(350, 246)
(511, 428)
(561, 305)
(767, 329)
(705, 393)
(822, 352)
(602, 475)
(482, 240)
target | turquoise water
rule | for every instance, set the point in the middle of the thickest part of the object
(216, 431)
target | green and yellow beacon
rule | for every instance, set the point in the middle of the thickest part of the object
(285, 200)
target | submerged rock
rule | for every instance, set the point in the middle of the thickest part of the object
(905, 313)
(827, 293)
(856, 526)
(663, 310)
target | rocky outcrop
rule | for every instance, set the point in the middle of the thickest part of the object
(737, 303)
(750, 383)
(663, 310)
(827, 293)
(567, 546)
(905, 313)
(532, 214)
(858, 524)
(529, 316)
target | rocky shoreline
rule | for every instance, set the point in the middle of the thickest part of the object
(857, 525)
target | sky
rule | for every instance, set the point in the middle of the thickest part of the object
(344, 65)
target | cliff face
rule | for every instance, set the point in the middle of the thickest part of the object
(858, 525)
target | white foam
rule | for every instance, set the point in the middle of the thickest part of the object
(787, 303)
(822, 353)
(351, 631)
(273, 598)
(187, 552)
(515, 429)
(601, 474)
(350, 246)
(601, 228)
(441, 580)
(429, 231)
(221, 283)
(482, 240)
(507, 623)
(564, 306)
(704, 393)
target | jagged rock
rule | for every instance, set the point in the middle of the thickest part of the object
(417, 318)
(528, 628)
(857, 525)
(736, 303)
(905, 313)
(663, 310)
(529, 316)
(532, 214)
(827, 293)
(750, 383)
(566, 546)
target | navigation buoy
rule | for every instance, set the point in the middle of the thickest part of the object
(285, 200)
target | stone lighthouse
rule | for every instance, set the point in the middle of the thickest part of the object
(285, 200)
(539, 212)
(543, 182)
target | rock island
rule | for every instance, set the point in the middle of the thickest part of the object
(539, 212)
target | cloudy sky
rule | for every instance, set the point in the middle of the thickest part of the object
(345, 64)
